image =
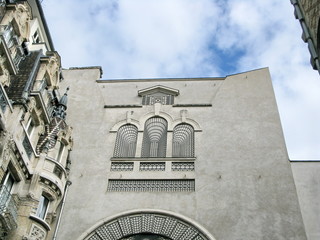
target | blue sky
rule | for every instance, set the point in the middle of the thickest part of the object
(203, 38)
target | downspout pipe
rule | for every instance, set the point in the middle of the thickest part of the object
(68, 184)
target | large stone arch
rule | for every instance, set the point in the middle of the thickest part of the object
(163, 223)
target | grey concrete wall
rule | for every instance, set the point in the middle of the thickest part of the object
(244, 184)
(307, 180)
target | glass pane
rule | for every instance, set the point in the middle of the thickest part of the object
(9, 182)
(42, 208)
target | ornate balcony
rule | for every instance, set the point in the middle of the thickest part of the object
(8, 210)
(11, 46)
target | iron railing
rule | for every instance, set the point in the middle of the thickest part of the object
(3, 101)
(8, 209)
(12, 43)
(2, 8)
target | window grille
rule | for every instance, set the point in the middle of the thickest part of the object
(182, 166)
(164, 185)
(122, 166)
(152, 166)
(154, 138)
(126, 141)
(183, 141)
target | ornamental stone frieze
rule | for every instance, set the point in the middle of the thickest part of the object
(22, 15)
(50, 67)
(19, 15)
(53, 68)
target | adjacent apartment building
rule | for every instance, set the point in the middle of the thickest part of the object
(308, 13)
(34, 137)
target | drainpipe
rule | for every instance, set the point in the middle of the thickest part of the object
(68, 183)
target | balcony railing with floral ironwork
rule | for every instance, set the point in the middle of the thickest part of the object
(8, 209)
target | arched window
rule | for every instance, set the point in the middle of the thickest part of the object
(155, 138)
(126, 141)
(183, 141)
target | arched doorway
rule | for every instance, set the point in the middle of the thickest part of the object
(147, 225)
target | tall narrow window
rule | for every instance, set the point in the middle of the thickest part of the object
(44, 83)
(36, 37)
(183, 141)
(155, 138)
(126, 141)
(28, 138)
(60, 152)
(30, 127)
(8, 182)
(42, 207)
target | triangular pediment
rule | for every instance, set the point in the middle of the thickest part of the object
(158, 89)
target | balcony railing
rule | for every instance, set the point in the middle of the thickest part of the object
(12, 43)
(3, 101)
(8, 210)
(2, 8)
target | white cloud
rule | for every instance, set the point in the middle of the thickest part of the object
(141, 38)
(185, 38)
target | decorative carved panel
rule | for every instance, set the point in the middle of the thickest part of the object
(182, 166)
(37, 233)
(122, 166)
(174, 185)
(152, 166)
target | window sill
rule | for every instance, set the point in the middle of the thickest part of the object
(178, 159)
(41, 221)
